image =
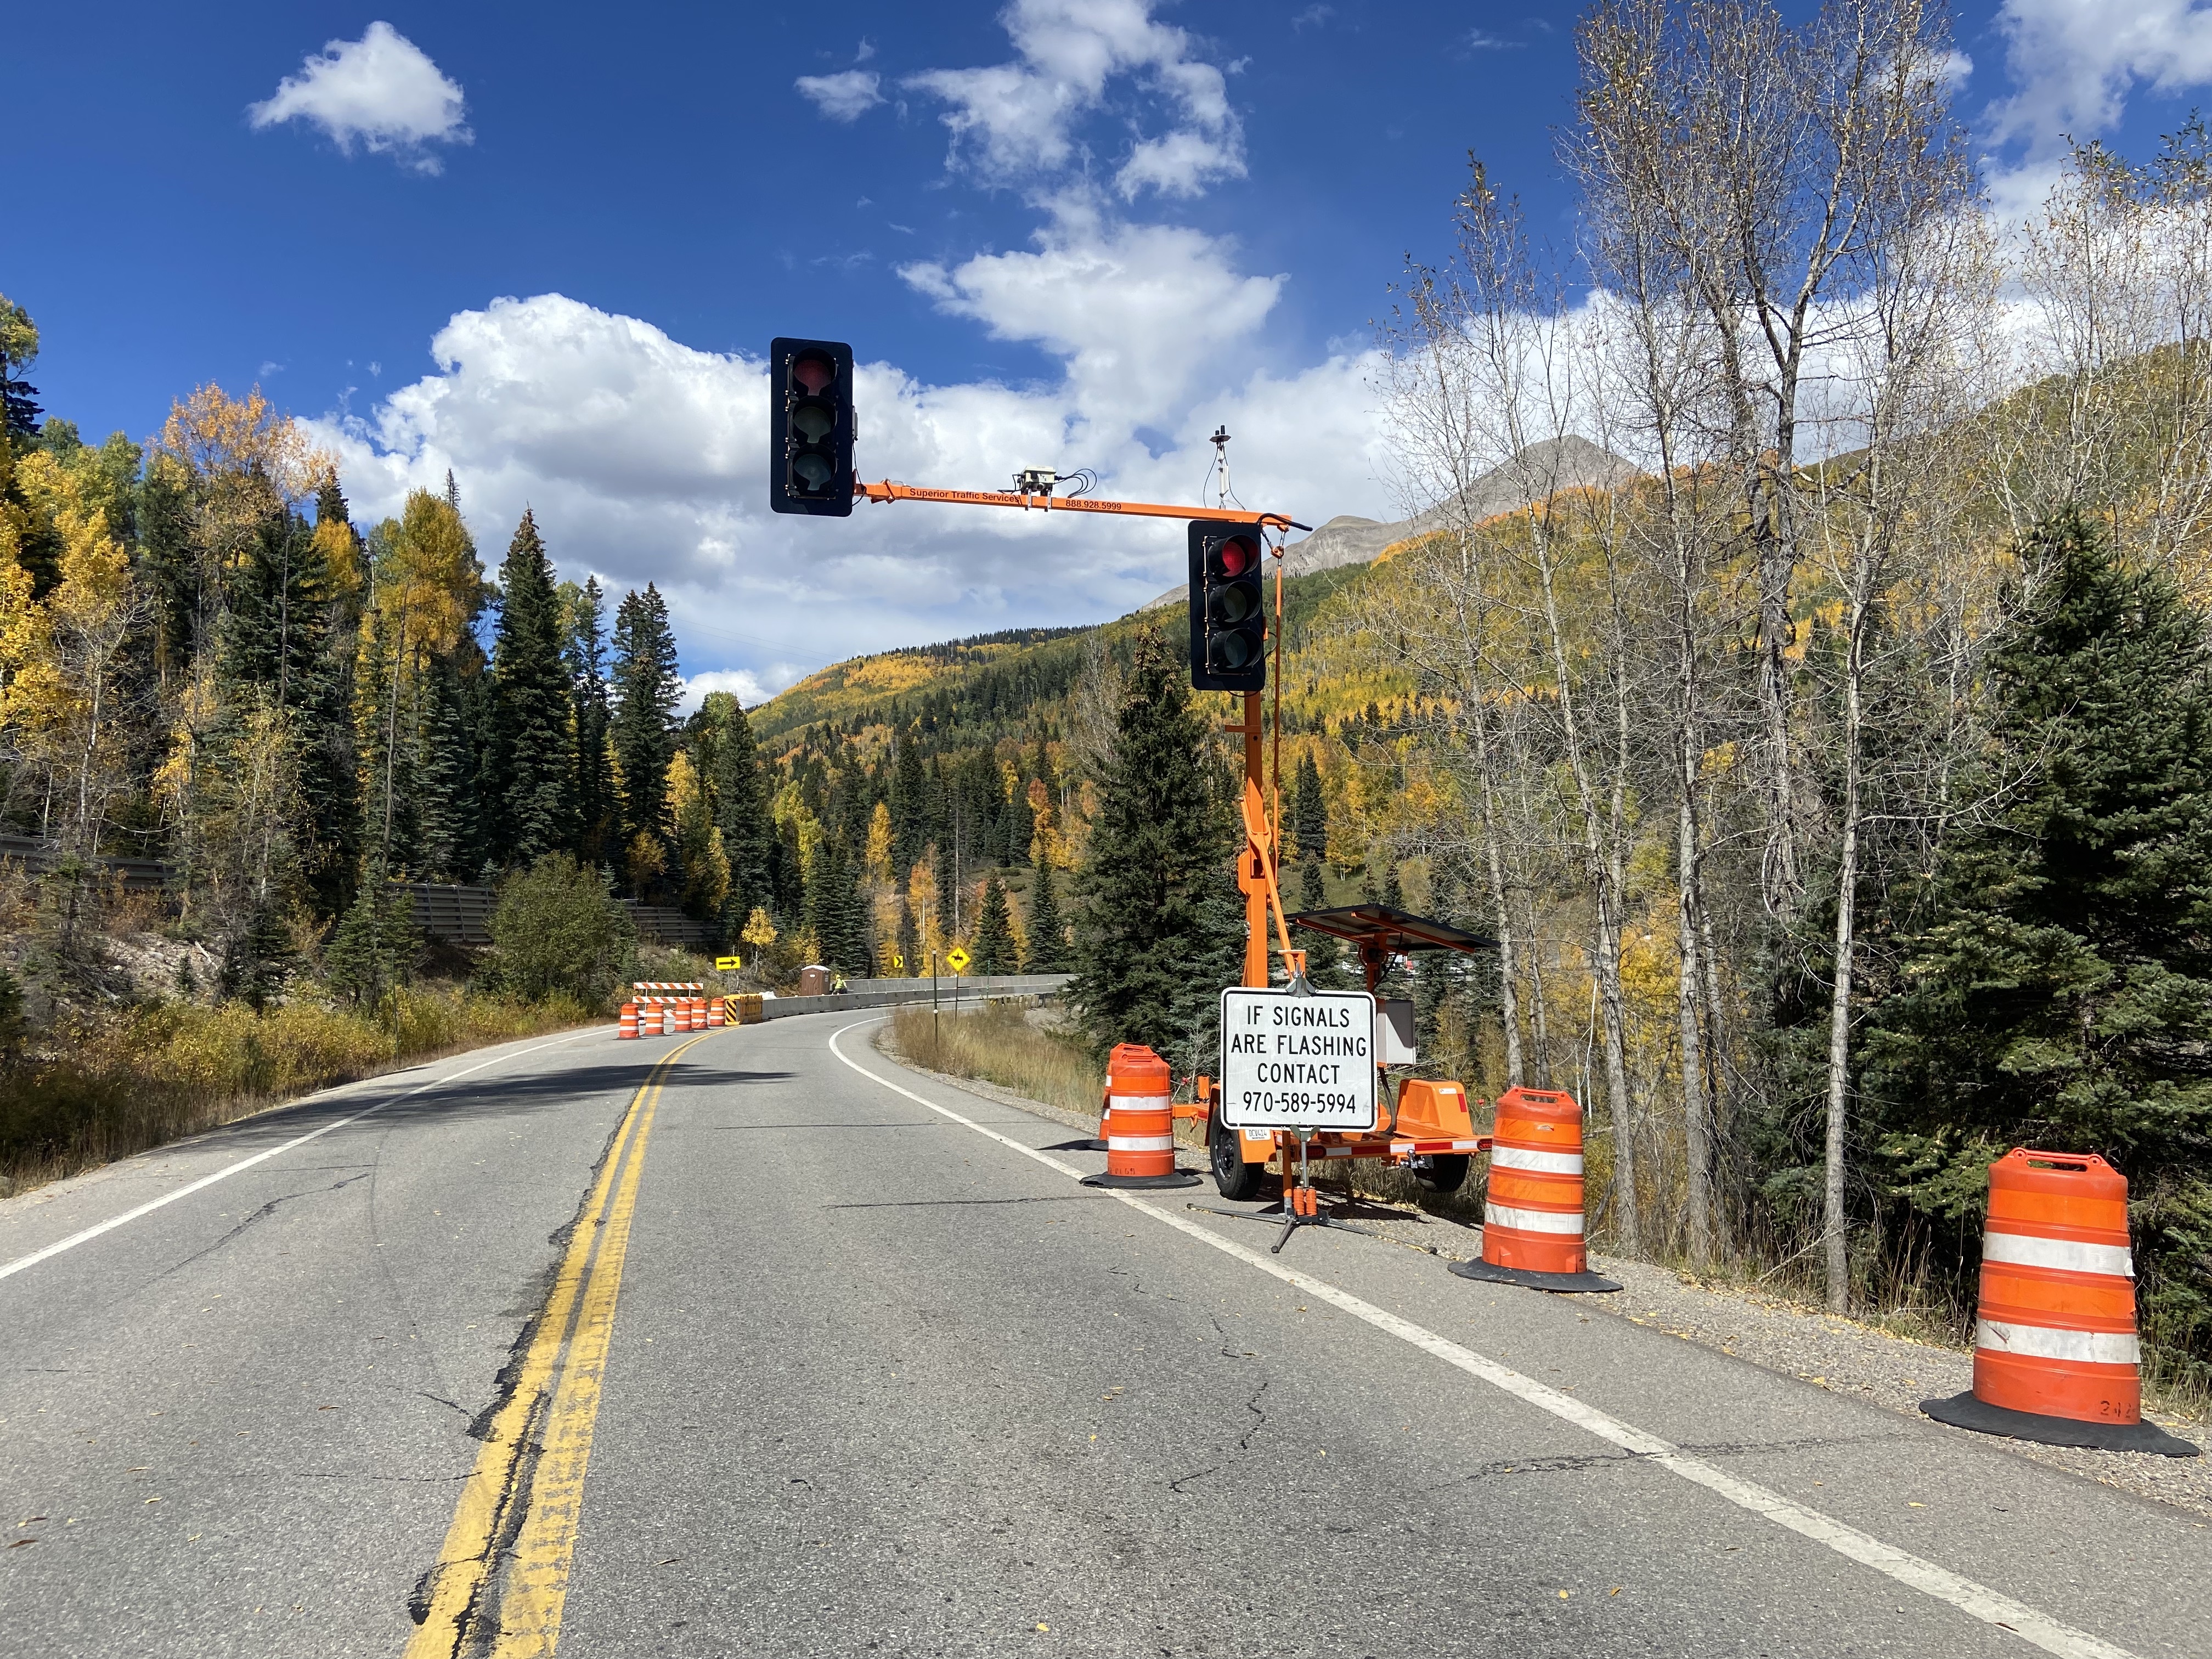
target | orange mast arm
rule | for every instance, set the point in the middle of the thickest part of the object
(887, 491)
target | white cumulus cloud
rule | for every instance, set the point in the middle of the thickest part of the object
(382, 91)
(1137, 313)
(1013, 122)
(843, 97)
(748, 687)
(2072, 63)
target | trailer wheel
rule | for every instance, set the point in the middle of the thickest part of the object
(1237, 1181)
(1447, 1173)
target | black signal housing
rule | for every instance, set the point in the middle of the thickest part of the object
(811, 428)
(1228, 607)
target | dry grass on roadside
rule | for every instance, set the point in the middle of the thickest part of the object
(102, 1092)
(1000, 1044)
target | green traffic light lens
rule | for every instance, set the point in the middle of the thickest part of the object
(813, 472)
(1232, 652)
(813, 421)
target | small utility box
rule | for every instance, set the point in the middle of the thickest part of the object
(1394, 1032)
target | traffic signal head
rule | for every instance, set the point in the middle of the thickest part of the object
(810, 428)
(1228, 607)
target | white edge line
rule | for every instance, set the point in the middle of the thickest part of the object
(1976, 1600)
(228, 1170)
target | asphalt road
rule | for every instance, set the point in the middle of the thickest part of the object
(772, 1348)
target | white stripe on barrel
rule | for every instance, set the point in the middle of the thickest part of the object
(1531, 1221)
(1139, 1143)
(1517, 1157)
(2046, 1342)
(2026, 1250)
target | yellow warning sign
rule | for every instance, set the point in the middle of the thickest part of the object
(727, 964)
(957, 958)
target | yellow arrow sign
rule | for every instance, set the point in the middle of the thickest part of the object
(727, 964)
(957, 958)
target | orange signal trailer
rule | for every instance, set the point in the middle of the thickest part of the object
(1429, 1126)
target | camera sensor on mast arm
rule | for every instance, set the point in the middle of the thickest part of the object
(810, 463)
(1228, 607)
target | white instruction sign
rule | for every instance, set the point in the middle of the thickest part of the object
(1298, 1062)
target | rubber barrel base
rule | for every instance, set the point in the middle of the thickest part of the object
(1963, 1411)
(1557, 1284)
(1075, 1146)
(1180, 1178)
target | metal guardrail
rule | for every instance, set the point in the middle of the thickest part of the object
(464, 915)
(889, 992)
(39, 857)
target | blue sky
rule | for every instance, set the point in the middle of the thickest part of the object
(546, 246)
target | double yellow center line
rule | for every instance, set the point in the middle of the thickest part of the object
(502, 1578)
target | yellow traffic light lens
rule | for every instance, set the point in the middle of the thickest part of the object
(1228, 606)
(813, 421)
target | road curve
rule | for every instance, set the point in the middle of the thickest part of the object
(772, 1348)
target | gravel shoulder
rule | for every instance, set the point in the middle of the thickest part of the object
(1843, 1356)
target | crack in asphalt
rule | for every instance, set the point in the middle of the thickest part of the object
(261, 1215)
(1181, 1484)
(1575, 1463)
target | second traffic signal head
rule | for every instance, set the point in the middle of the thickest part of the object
(809, 427)
(1228, 607)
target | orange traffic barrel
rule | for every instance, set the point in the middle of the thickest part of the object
(2055, 1355)
(629, 1026)
(1139, 1123)
(715, 1014)
(1532, 1209)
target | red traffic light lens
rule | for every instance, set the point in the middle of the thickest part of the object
(813, 373)
(1236, 557)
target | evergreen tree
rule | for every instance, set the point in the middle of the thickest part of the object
(1161, 912)
(278, 635)
(1309, 810)
(534, 749)
(446, 781)
(788, 874)
(910, 942)
(1017, 828)
(909, 802)
(373, 949)
(1394, 889)
(19, 351)
(598, 816)
(1326, 965)
(647, 687)
(741, 808)
(1047, 928)
(995, 951)
(257, 957)
(2058, 991)
(838, 910)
